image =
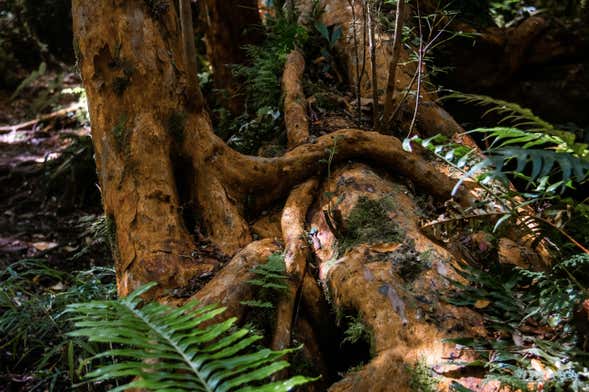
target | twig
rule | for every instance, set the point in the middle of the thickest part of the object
(26, 125)
(419, 66)
(357, 58)
(388, 112)
(372, 44)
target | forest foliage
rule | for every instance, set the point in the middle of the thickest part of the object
(533, 315)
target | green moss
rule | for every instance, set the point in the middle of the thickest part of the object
(421, 379)
(121, 134)
(369, 222)
(408, 262)
(175, 126)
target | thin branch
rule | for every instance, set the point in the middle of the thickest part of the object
(372, 43)
(357, 59)
(419, 73)
(390, 90)
(190, 54)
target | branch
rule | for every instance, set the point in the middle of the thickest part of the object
(190, 54)
(271, 178)
(390, 90)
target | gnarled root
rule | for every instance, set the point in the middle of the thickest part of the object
(396, 288)
(296, 253)
(229, 287)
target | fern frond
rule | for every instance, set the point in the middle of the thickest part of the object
(167, 349)
(271, 275)
(504, 136)
(543, 162)
(512, 112)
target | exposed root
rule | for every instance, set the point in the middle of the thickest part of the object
(296, 253)
(295, 114)
(272, 178)
(400, 300)
(229, 287)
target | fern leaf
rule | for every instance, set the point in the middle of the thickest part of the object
(167, 349)
(513, 112)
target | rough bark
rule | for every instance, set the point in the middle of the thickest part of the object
(406, 315)
(168, 184)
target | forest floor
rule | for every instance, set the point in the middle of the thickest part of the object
(40, 216)
(49, 209)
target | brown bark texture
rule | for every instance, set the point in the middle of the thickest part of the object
(178, 197)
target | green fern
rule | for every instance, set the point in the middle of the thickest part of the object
(523, 120)
(271, 281)
(512, 112)
(531, 318)
(544, 163)
(167, 349)
(271, 275)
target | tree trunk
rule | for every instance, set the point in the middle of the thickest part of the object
(176, 196)
(225, 43)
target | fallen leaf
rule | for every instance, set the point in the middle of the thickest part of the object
(42, 245)
(385, 248)
(482, 303)
(58, 287)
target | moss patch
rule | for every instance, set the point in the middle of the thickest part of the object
(421, 378)
(121, 134)
(408, 262)
(369, 222)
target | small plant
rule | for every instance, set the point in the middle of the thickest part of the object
(421, 378)
(271, 281)
(532, 319)
(248, 131)
(261, 80)
(262, 77)
(330, 36)
(34, 325)
(45, 98)
(163, 347)
(356, 331)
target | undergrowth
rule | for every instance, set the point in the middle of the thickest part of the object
(537, 328)
(261, 80)
(34, 344)
(547, 165)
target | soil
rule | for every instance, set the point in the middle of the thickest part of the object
(40, 217)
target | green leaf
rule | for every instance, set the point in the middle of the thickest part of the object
(163, 348)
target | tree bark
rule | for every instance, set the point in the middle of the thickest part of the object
(177, 194)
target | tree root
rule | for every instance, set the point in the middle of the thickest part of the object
(271, 178)
(403, 310)
(296, 253)
(229, 287)
(295, 113)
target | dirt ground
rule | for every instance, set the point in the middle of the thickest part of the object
(48, 193)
